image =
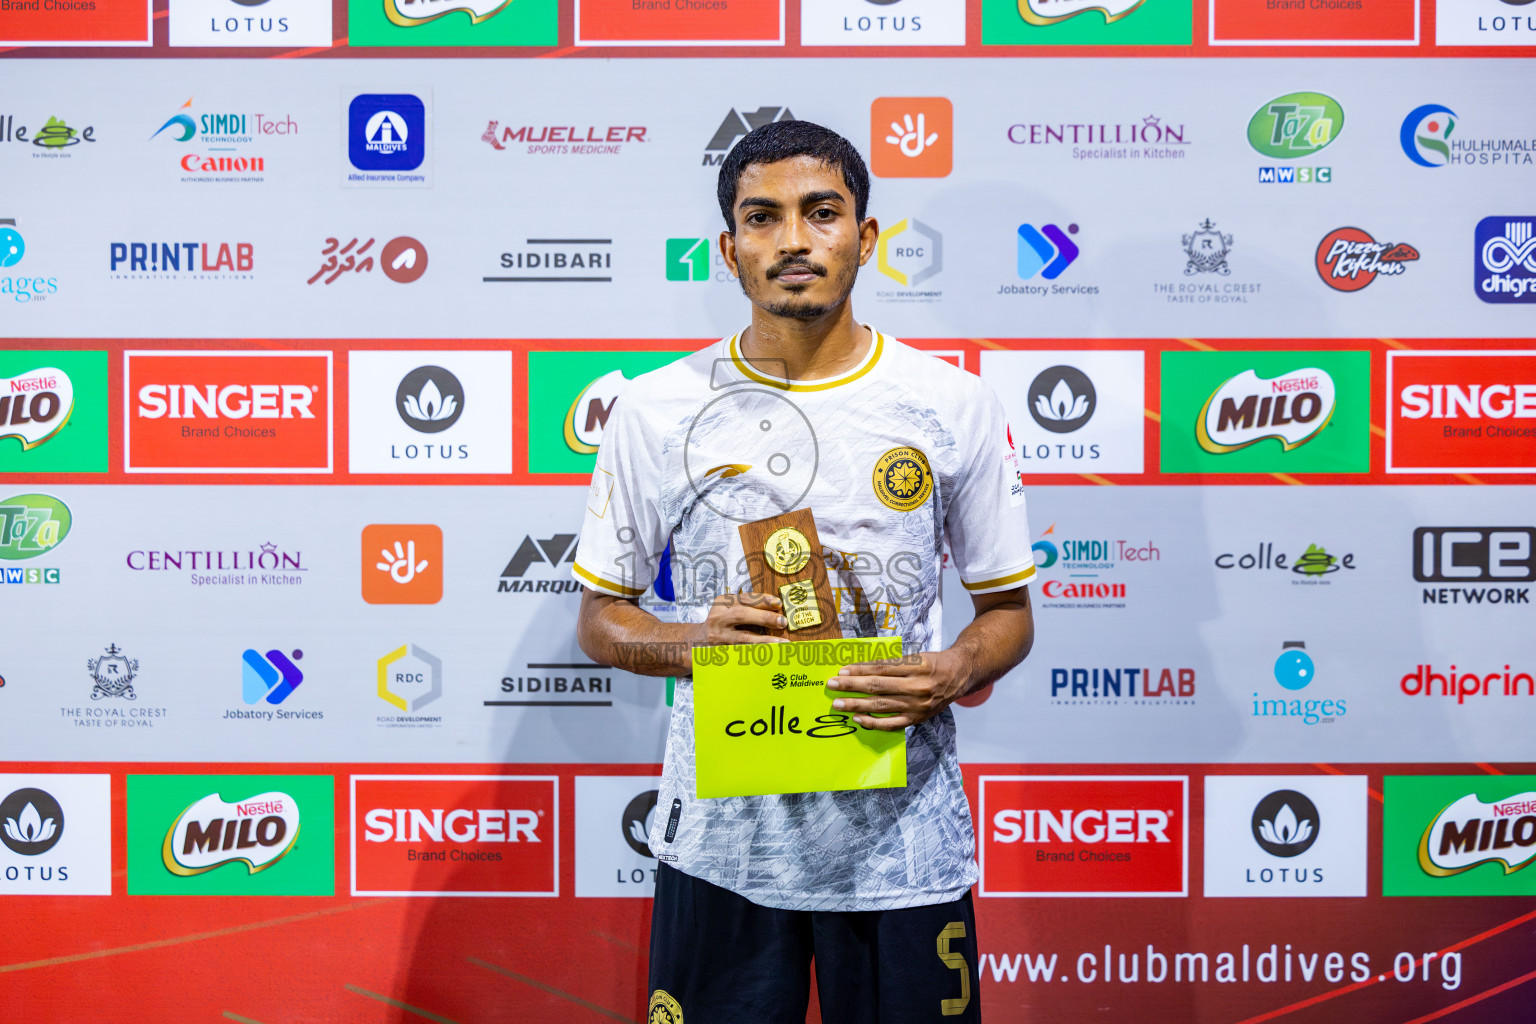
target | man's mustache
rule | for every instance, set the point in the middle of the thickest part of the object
(799, 263)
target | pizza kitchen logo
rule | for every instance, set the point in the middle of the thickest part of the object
(1292, 408)
(1348, 259)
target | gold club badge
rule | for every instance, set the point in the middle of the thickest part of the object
(787, 551)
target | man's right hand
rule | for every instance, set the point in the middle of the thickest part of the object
(737, 619)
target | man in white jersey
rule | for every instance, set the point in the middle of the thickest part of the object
(894, 451)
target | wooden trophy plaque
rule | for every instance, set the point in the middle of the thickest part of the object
(784, 558)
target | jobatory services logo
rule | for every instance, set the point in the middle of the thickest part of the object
(53, 411)
(910, 253)
(1084, 835)
(181, 261)
(430, 412)
(402, 564)
(1072, 411)
(206, 411)
(918, 137)
(388, 139)
(410, 677)
(1085, 22)
(563, 139)
(231, 835)
(1291, 127)
(26, 287)
(1145, 137)
(32, 525)
(1484, 23)
(553, 554)
(1285, 835)
(222, 147)
(402, 259)
(455, 835)
(270, 677)
(882, 22)
(571, 397)
(614, 817)
(1265, 412)
(1461, 411)
(50, 139)
(1294, 671)
(1458, 835)
(56, 835)
(734, 125)
(1504, 259)
(251, 23)
(556, 261)
(452, 23)
(1348, 259)
(1046, 250)
(1475, 565)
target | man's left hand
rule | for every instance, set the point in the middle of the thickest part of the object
(903, 691)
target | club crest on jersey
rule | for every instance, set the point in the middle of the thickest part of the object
(663, 1009)
(902, 479)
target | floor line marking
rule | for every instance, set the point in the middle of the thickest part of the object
(603, 1010)
(397, 1004)
(229, 1015)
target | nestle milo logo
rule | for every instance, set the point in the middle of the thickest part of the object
(32, 525)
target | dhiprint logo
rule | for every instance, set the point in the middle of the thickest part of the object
(1285, 835)
(31, 822)
(1348, 259)
(56, 835)
(1504, 259)
(918, 134)
(272, 677)
(1295, 125)
(687, 259)
(1292, 408)
(429, 399)
(1285, 823)
(402, 564)
(735, 125)
(1062, 399)
(1046, 250)
(1425, 135)
(387, 139)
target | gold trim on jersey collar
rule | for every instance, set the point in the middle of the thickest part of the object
(819, 385)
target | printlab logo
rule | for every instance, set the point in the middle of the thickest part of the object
(54, 139)
(112, 674)
(1294, 126)
(410, 677)
(735, 125)
(181, 261)
(1504, 259)
(910, 253)
(402, 259)
(387, 140)
(1285, 823)
(31, 822)
(402, 564)
(1348, 259)
(429, 399)
(12, 248)
(271, 677)
(918, 134)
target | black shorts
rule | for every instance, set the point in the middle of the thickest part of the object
(719, 958)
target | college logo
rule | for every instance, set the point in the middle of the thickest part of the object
(387, 139)
(410, 677)
(223, 412)
(1461, 411)
(1084, 835)
(402, 564)
(1295, 125)
(918, 134)
(1348, 259)
(430, 412)
(112, 674)
(56, 835)
(1425, 135)
(882, 23)
(1046, 250)
(1313, 565)
(250, 23)
(402, 259)
(571, 398)
(455, 835)
(1085, 22)
(53, 139)
(1504, 259)
(614, 815)
(32, 525)
(1072, 411)
(910, 253)
(271, 677)
(1459, 835)
(687, 259)
(231, 835)
(735, 125)
(12, 248)
(902, 479)
(1292, 408)
(1463, 555)
(1297, 835)
(1294, 670)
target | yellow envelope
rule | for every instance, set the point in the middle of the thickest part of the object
(763, 721)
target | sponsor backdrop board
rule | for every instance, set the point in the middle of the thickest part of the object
(306, 364)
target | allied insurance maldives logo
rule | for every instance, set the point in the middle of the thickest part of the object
(223, 412)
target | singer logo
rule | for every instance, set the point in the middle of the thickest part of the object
(223, 412)
(455, 835)
(1461, 412)
(402, 564)
(1084, 835)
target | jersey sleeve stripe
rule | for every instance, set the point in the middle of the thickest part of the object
(607, 586)
(1011, 580)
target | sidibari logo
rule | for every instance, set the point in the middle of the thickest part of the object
(34, 406)
(257, 832)
(1348, 259)
(31, 525)
(1292, 408)
(1295, 125)
(1471, 832)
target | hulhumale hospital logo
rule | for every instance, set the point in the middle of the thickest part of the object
(1426, 133)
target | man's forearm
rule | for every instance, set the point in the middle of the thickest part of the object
(996, 640)
(616, 632)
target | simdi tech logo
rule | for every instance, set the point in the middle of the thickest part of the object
(402, 564)
(388, 139)
(205, 411)
(1458, 835)
(1461, 411)
(911, 137)
(226, 141)
(231, 835)
(455, 835)
(571, 397)
(53, 411)
(452, 23)
(1086, 22)
(1265, 412)
(1084, 835)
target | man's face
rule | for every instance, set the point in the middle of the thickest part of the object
(798, 243)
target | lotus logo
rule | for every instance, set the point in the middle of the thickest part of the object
(430, 399)
(31, 822)
(1062, 399)
(637, 822)
(1285, 823)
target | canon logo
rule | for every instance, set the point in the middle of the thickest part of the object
(460, 825)
(1474, 401)
(232, 401)
(1138, 825)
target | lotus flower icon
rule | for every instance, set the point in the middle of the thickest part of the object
(1285, 828)
(1285, 823)
(30, 827)
(430, 399)
(1061, 404)
(1062, 399)
(430, 404)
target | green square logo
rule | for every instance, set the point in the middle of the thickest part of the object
(687, 259)
(1458, 835)
(53, 411)
(452, 23)
(1086, 22)
(1266, 412)
(231, 835)
(571, 396)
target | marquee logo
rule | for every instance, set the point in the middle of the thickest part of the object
(35, 406)
(1348, 259)
(549, 551)
(1292, 408)
(256, 832)
(32, 525)
(1295, 125)
(735, 125)
(1084, 835)
(1461, 411)
(1504, 259)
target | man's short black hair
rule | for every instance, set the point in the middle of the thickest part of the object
(780, 140)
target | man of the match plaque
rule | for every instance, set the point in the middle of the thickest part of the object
(784, 558)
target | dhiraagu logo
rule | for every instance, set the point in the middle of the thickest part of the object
(1295, 125)
(571, 397)
(231, 835)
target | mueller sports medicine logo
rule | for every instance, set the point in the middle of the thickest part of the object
(222, 412)
(1084, 835)
(455, 835)
(1504, 259)
(1476, 565)
(563, 139)
(735, 125)
(1461, 411)
(1292, 408)
(257, 832)
(1348, 259)
(182, 261)
(225, 140)
(34, 406)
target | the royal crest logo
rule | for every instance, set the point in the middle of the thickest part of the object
(113, 673)
(1293, 408)
(34, 406)
(1207, 250)
(1348, 259)
(257, 832)
(1470, 832)
(902, 479)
